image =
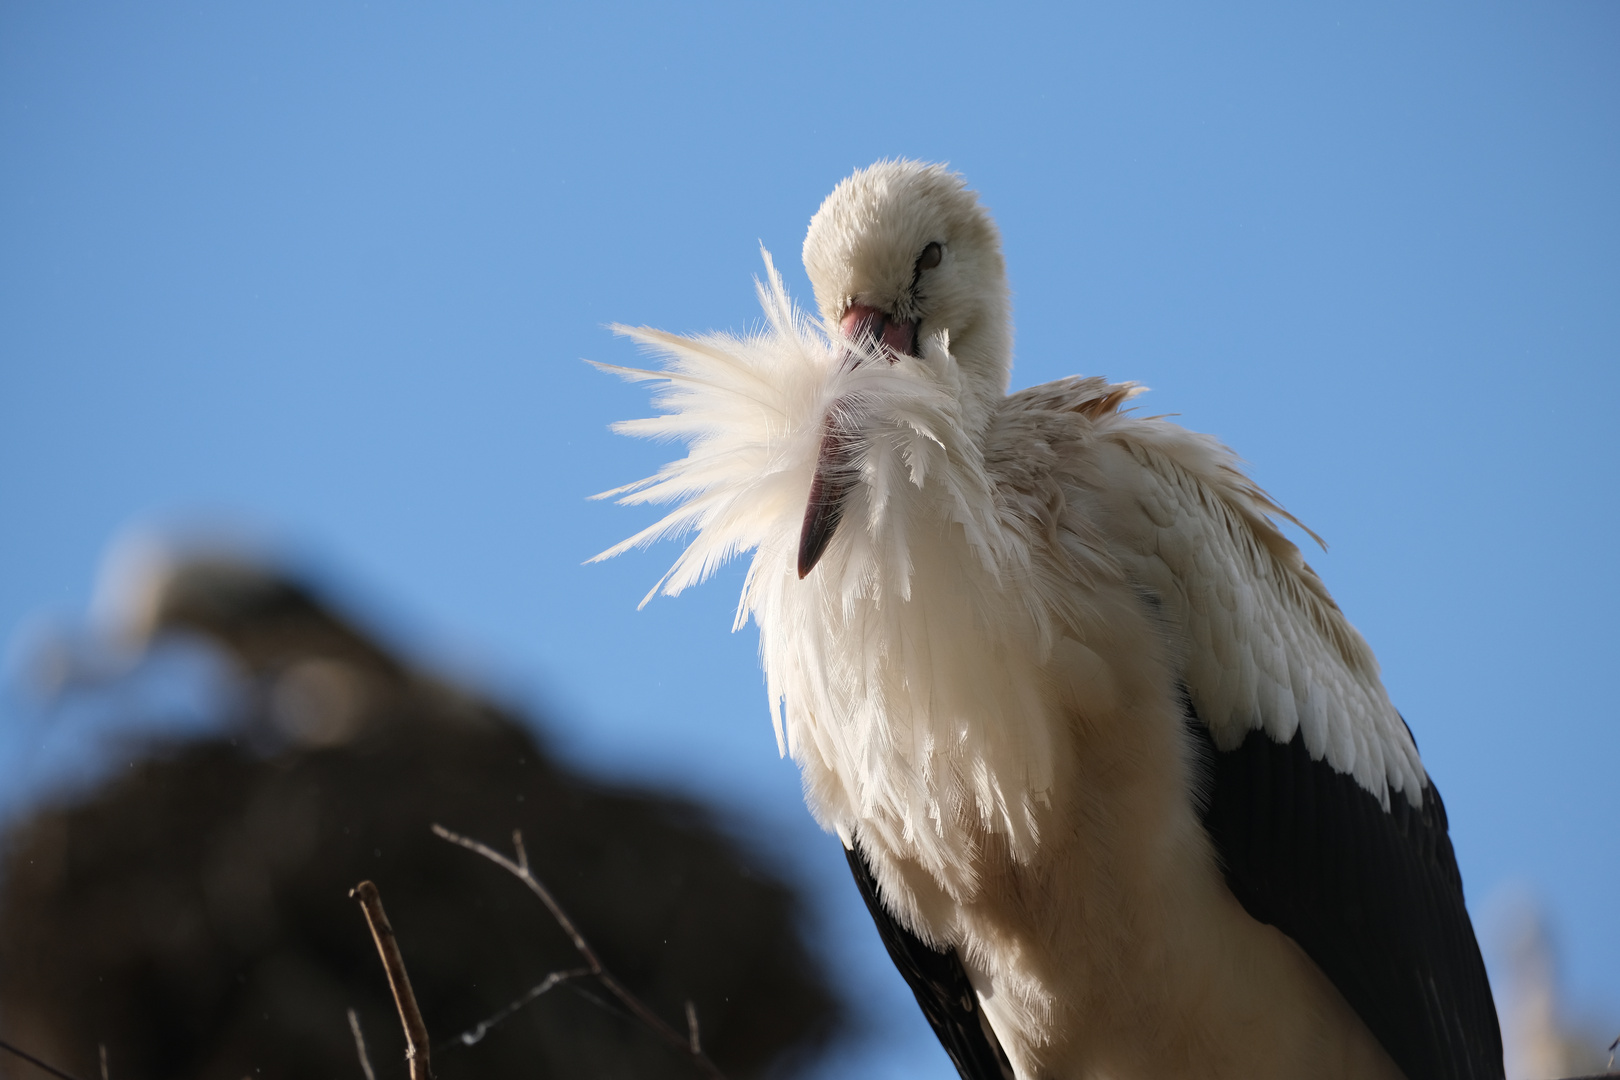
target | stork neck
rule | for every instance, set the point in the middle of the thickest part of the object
(983, 355)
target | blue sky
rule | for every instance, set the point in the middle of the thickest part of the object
(327, 271)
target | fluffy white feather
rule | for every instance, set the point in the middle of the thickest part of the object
(946, 684)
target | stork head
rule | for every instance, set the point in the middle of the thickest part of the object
(902, 250)
(899, 252)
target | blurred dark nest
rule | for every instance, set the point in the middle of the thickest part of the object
(192, 913)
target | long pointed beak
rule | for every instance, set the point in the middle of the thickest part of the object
(835, 465)
(834, 477)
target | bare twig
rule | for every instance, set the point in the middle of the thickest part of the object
(519, 869)
(596, 999)
(360, 1045)
(32, 1060)
(693, 1041)
(106, 1073)
(477, 1032)
(416, 1037)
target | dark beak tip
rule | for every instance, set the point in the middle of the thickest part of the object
(828, 488)
(819, 523)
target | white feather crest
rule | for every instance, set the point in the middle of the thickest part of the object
(905, 676)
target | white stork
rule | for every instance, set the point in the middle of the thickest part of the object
(1118, 781)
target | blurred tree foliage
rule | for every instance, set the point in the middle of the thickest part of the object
(192, 913)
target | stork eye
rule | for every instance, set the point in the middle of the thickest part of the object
(930, 256)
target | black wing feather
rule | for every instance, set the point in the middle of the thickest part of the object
(1373, 896)
(941, 985)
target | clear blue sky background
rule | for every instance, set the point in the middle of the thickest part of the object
(329, 270)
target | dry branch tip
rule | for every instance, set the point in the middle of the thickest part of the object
(417, 1053)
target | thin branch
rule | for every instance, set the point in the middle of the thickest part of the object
(106, 1073)
(695, 1043)
(416, 1037)
(32, 1060)
(360, 1045)
(477, 1032)
(583, 991)
(519, 869)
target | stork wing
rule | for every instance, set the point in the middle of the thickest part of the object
(1372, 895)
(1324, 821)
(941, 985)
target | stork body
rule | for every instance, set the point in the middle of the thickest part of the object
(1099, 744)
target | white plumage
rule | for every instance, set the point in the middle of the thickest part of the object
(985, 672)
